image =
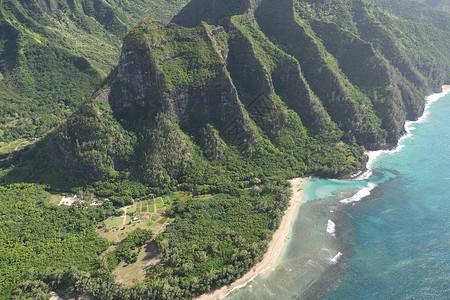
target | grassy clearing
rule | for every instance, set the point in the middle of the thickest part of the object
(55, 199)
(148, 212)
(114, 230)
(162, 220)
(131, 209)
(127, 274)
(114, 222)
(6, 148)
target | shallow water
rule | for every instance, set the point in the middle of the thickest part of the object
(391, 235)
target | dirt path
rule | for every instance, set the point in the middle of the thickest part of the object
(1, 148)
(125, 214)
(11, 154)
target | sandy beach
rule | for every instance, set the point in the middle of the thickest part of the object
(275, 246)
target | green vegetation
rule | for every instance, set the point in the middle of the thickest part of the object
(36, 235)
(6, 148)
(55, 199)
(116, 229)
(55, 54)
(421, 13)
(200, 127)
(124, 251)
(212, 242)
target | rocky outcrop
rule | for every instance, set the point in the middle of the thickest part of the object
(256, 81)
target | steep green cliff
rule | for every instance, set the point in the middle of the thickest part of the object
(278, 81)
(54, 55)
(179, 105)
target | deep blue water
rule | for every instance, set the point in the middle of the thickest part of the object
(395, 242)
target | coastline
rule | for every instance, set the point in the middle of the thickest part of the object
(277, 243)
(373, 155)
(362, 174)
(275, 249)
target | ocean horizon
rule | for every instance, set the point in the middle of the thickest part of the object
(384, 235)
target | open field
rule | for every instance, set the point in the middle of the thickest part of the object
(55, 198)
(147, 214)
(6, 148)
(144, 214)
(128, 273)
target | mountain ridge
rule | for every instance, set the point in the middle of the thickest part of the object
(55, 54)
(323, 80)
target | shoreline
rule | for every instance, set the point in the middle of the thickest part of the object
(275, 249)
(277, 243)
(373, 155)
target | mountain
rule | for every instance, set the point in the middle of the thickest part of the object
(438, 4)
(256, 82)
(55, 54)
(426, 12)
(224, 104)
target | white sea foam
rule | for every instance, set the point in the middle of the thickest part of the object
(331, 228)
(336, 259)
(364, 192)
(364, 176)
(409, 127)
(239, 286)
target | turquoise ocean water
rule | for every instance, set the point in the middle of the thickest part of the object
(384, 236)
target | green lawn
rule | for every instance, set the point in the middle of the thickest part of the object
(7, 148)
(114, 222)
(132, 209)
(168, 199)
(162, 220)
(55, 199)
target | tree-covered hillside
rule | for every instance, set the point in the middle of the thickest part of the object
(429, 12)
(36, 237)
(54, 55)
(438, 4)
(292, 78)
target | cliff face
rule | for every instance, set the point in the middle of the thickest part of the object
(294, 84)
(167, 77)
(55, 53)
